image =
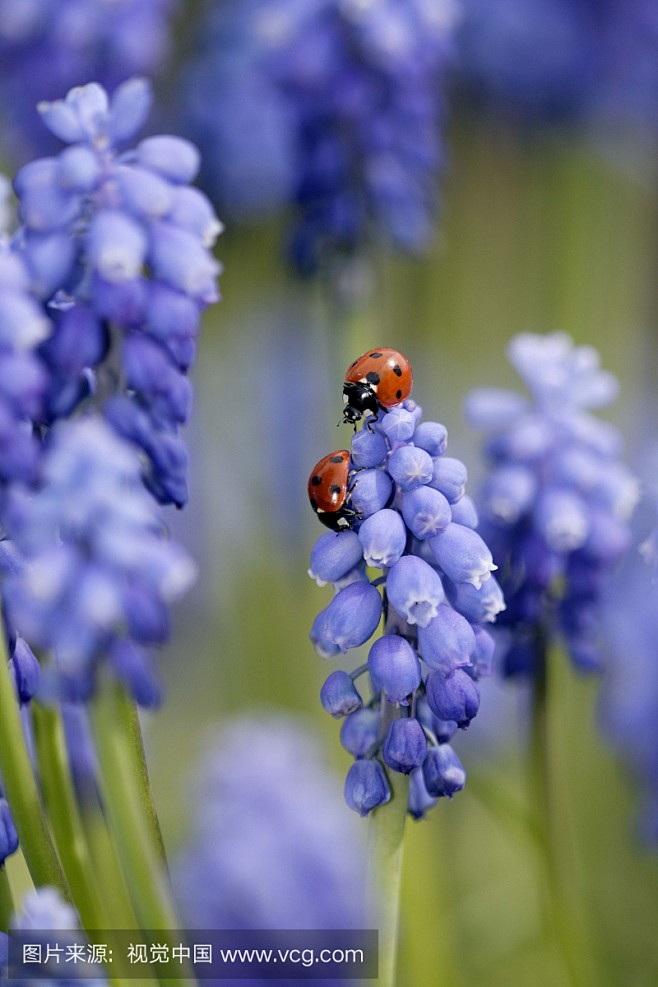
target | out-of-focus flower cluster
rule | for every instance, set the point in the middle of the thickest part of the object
(117, 245)
(103, 286)
(557, 501)
(337, 105)
(270, 846)
(50, 922)
(48, 46)
(99, 571)
(562, 59)
(630, 687)
(23, 377)
(415, 524)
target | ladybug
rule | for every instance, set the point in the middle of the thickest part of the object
(328, 490)
(375, 382)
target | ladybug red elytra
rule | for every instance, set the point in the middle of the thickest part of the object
(328, 490)
(377, 381)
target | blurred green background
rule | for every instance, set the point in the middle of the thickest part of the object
(535, 235)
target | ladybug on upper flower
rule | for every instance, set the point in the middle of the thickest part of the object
(377, 381)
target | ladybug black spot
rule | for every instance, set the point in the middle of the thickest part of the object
(314, 503)
(396, 370)
(334, 489)
(373, 378)
(375, 356)
(334, 459)
(398, 394)
(316, 480)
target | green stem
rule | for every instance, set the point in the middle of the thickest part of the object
(116, 900)
(63, 814)
(561, 917)
(128, 711)
(21, 788)
(123, 800)
(6, 901)
(384, 876)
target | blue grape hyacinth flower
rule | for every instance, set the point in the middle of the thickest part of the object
(98, 572)
(117, 246)
(349, 101)
(557, 500)
(412, 555)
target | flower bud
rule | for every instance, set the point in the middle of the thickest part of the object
(360, 731)
(366, 787)
(415, 590)
(453, 696)
(443, 772)
(371, 491)
(420, 799)
(448, 641)
(426, 512)
(405, 745)
(349, 620)
(394, 668)
(334, 555)
(449, 477)
(463, 555)
(383, 537)
(432, 437)
(339, 695)
(410, 467)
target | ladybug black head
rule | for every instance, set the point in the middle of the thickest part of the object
(358, 399)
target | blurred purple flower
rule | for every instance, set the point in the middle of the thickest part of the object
(99, 573)
(562, 60)
(630, 687)
(270, 846)
(335, 105)
(48, 46)
(44, 911)
(117, 246)
(23, 377)
(556, 503)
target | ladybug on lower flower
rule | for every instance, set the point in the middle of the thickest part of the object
(377, 381)
(329, 492)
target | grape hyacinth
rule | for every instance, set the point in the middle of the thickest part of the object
(269, 846)
(23, 386)
(556, 503)
(99, 572)
(23, 377)
(629, 696)
(48, 46)
(349, 95)
(44, 911)
(116, 244)
(415, 527)
(548, 60)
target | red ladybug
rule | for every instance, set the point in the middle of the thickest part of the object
(328, 490)
(377, 381)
